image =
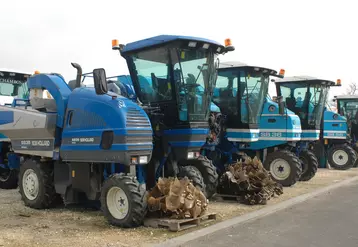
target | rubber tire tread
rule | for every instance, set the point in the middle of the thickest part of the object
(209, 174)
(137, 199)
(11, 182)
(47, 196)
(312, 165)
(193, 174)
(351, 156)
(292, 159)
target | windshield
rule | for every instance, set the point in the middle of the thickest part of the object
(306, 100)
(13, 84)
(348, 108)
(183, 75)
(252, 87)
(253, 95)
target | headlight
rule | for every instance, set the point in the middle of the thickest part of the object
(190, 155)
(143, 159)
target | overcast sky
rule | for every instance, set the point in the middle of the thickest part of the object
(316, 38)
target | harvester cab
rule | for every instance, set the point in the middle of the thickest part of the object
(240, 92)
(12, 86)
(174, 78)
(347, 108)
(305, 96)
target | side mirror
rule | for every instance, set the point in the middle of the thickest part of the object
(100, 82)
(281, 105)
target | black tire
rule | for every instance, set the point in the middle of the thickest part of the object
(136, 199)
(293, 162)
(194, 175)
(309, 165)
(355, 164)
(46, 196)
(209, 174)
(344, 148)
(9, 179)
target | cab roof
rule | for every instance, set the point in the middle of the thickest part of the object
(303, 79)
(162, 39)
(238, 65)
(14, 71)
(346, 97)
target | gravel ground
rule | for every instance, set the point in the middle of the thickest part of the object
(22, 226)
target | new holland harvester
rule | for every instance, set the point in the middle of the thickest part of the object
(72, 141)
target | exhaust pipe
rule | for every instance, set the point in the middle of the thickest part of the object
(79, 74)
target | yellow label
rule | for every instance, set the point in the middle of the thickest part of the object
(182, 55)
(169, 86)
(73, 173)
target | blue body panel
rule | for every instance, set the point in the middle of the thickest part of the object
(191, 132)
(93, 120)
(276, 129)
(161, 39)
(334, 128)
(58, 88)
(6, 117)
(242, 135)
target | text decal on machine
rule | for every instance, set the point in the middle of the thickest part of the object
(45, 143)
(33, 144)
(82, 140)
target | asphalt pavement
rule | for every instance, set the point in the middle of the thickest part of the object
(328, 220)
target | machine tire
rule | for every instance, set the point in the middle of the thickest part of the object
(194, 175)
(355, 163)
(344, 149)
(46, 196)
(209, 174)
(122, 187)
(9, 180)
(292, 162)
(309, 165)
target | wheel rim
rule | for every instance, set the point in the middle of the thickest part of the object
(340, 157)
(117, 203)
(280, 169)
(30, 184)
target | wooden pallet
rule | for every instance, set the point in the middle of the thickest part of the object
(229, 197)
(176, 225)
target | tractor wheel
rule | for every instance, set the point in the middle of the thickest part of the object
(341, 157)
(209, 174)
(194, 175)
(36, 183)
(309, 165)
(8, 179)
(284, 166)
(123, 201)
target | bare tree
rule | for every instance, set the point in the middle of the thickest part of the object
(352, 88)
